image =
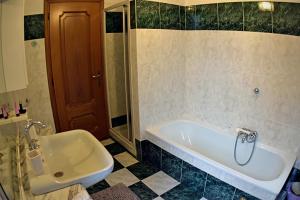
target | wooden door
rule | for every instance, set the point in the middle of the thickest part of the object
(75, 33)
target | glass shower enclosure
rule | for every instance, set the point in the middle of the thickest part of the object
(117, 61)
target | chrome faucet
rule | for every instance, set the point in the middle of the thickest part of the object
(247, 135)
(32, 142)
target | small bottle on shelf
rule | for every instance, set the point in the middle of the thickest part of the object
(17, 110)
(21, 109)
(5, 111)
(1, 113)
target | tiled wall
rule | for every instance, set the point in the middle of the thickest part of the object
(200, 183)
(236, 16)
(221, 68)
(37, 92)
(161, 76)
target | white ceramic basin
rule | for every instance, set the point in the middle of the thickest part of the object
(78, 155)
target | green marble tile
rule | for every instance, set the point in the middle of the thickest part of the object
(230, 16)
(217, 189)
(151, 153)
(182, 192)
(34, 27)
(190, 17)
(182, 17)
(243, 195)
(169, 16)
(114, 22)
(147, 14)
(193, 177)
(138, 147)
(171, 165)
(132, 15)
(142, 191)
(255, 19)
(98, 187)
(286, 18)
(207, 17)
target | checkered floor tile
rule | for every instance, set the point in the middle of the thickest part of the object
(146, 181)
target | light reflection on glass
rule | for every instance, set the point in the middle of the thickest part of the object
(266, 6)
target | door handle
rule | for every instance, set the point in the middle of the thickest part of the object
(96, 76)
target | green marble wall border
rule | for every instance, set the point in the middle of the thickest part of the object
(232, 16)
(34, 27)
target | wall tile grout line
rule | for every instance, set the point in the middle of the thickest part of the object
(205, 184)
(218, 19)
(233, 194)
(135, 15)
(184, 18)
(195, 16)
(159, 3)
(272, 21)
(243, 16)
(160, 158)
(181, 171)
(179, 18)
(141, 149)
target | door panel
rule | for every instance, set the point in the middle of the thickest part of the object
(77, 68)
(76, 61)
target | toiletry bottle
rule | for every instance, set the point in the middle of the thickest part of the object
(17, 110)
(21, 110)
(1, 113)
(5, 111)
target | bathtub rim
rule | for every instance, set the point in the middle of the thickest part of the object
(272, 186)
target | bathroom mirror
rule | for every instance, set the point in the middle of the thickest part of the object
(118, 70)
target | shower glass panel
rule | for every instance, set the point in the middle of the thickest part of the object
(117, 70)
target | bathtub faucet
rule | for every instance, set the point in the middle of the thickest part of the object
(246, 135)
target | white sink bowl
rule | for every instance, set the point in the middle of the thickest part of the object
(78, 155)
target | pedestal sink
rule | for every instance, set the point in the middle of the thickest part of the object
(73, 157)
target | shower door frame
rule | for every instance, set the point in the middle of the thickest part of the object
(129, 145)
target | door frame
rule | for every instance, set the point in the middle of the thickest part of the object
(49, 61)
(129, 145)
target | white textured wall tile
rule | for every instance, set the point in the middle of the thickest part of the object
(33, 7)
(108, 3)
(223, 68)
(160, 65)
(38, 91)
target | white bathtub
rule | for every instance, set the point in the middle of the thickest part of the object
(212, 152)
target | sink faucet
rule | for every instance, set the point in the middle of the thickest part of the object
(32, 142)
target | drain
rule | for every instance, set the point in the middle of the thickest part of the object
(58, 174)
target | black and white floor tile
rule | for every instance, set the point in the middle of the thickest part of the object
(146, 181)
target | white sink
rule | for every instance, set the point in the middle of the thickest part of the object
(78, 155)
